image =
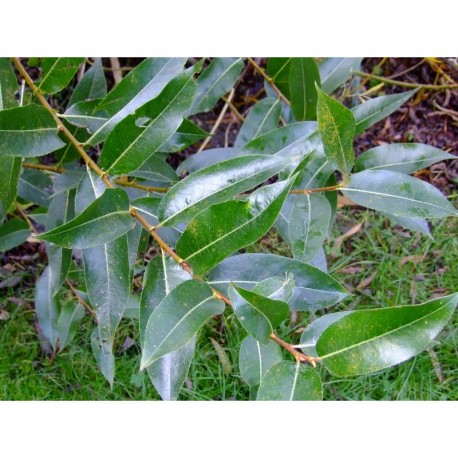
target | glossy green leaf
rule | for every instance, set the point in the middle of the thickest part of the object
(401, 157)
(336, 125)
(141, 85)
(92, 85)
(104, 220)
(215, 82)
(280, 289)
(157, 170)
(397, 194)
(47, 307)
(370, 340)
(28, 131)
(412, 223)
(168, 373)
(187, 134)
(206, 158)
(13, 233)
(288, 381)
(221, 229)
(278, 69)
(314, 289)
(262, 118)
(67, 324)
(89, 189)
(313, 331)
(303, 75)
(58, 72)
(334, 71)
(84, 114)
(9, 176)
(177, 319)
(8, 84)
(138, 136)
(378, 108)
(255, 359)
(258, 314)
(35, 186)
(103, 354)
(217, 183)
(148, 208)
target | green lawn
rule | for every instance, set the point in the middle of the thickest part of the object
(378, 247)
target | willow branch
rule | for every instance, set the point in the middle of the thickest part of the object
(151, 229)
(81, 301)
(310, 191)
(25, 217)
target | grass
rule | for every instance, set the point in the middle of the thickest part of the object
(25, 373)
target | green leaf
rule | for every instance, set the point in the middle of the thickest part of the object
(217, 183)
(67, 324)
(216, 81)
(378, 108)
(168, 373)
(278, 69)
(92, 85)
(104, 220)
(412, 223)
(314, 289)
(58, 72)
(90, 188)
(313, 331)
(13, 233)
(47, 307)
(177, 319)
(148, 208)
(280, 289)
(221, 229)
(206, 158)
(28, 131)
(258, 314)
(8, 84)
(103, 354)
(303, 76)
(397, 194)
(288, 381)
(370, 340)
(138, 136)
(336, 125)
(401, 157)
(141, 85)
(255, 359)
(187, 134)
(84, 115)
(35, 186)
(334, 71)
(262, 118)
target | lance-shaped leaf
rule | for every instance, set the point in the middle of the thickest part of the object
(262, 118)
(67, 324)
(217, 80)
(308, 225)
(84, 114)
(103, 354)
(58, 72)
(255, 359)
(148, 208)
(28, 131)
(168, 373)
(397, 194)
(313, 331)
(13, 233)
(35, 186)
(258, 314)
(92, 85)
(177, 319)
(8, 84)
(187, 134)
(138, 136)
(370, 340)
(221, 229)
(378, 108)
(141, 85)
(278, 69)
(303, 75)
(47, 307)
(217, 183)
(206, 158)
(104, 220)
(401, 157)
(412, 223)
(156, 169)
(334, 71)
(314, 288)
(280, 289)
(288, 381)
(336, 125)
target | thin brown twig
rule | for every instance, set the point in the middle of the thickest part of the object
(24, 216)
(80, 300)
